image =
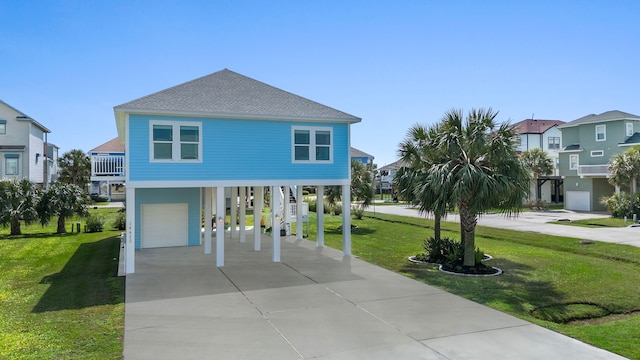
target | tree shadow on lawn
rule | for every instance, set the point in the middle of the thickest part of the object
(88, 279)
(514, 288)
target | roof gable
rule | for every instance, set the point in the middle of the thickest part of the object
(114, 145)
(394, 165)
(24, 117)
(228, 94)
(613, 115)
(536, 126)
(359, 153)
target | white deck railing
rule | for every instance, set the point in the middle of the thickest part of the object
(594, 170)
(107, 165)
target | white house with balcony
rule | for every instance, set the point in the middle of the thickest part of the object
(24, 149)
(108, 170)
(545, 135)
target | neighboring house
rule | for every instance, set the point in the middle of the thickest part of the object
(107, 170)
(387, 174)
(361, 156)
(545, 135)
(184, 146)
(588, 144)
(24, 148)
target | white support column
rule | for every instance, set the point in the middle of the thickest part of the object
(258, 204)
(243, 213)
(220, 206)
(346, 220)
(234, 214)
(130, 245)
(320, 216)
(208, 216)
(275, 223)
(299, 225)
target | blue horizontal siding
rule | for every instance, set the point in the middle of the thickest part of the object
(191, 196)
(237, 150)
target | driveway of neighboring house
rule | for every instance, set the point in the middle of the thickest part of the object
(539, 222)
(315, 304)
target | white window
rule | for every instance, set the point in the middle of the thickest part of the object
(11, 164)
(574, 161)
(312, 144)
(601, 132)
(3, 127)
(597, 153)
(175, 141)
(553, 143)
(629, 128)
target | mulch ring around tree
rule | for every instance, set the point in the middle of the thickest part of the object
(479, 270)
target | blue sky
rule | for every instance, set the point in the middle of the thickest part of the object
(394, 64)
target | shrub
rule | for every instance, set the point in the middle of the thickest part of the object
(120, 221)
(536, 204)
(313, 205)
(95, 223)
(357, 212)
(437, 251)
(99, 198)
(618, 205)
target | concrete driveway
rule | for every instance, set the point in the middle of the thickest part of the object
(315, 304)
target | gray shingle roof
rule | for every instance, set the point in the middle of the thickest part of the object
(228, 94)
(359, 153)
(633, 139)
(604, 117)
(24, 117)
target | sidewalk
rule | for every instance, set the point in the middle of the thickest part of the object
(538, 222)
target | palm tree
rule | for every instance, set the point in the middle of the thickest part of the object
(18, 201)
(478, 171)
(63, 200)
(412, 181)
(361, 186)
(624, 169)
(75, 168)
(538, 163)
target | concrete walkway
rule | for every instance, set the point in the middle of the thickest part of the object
(538, 221)
(315, 304)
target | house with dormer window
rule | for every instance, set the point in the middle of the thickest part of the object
(224, 139)
(588, 144)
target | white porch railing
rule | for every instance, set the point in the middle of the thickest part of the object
(594, 170)
(107, 166)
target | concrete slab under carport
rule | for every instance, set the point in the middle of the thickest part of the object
(179, 305)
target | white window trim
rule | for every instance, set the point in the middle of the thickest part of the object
(3, 128)
(629, 129)
(604, 132)
(175, 144)
(557, 146)
(597, 153)
(577, 162)
(312, 144)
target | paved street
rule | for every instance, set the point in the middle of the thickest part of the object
(538, 222)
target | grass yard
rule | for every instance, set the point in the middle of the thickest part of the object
(589, 292)
(597, 223)
(60, 297)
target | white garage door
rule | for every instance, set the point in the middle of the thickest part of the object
(577, 200)
(164, 225)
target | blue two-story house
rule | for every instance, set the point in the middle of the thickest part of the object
(186, 146)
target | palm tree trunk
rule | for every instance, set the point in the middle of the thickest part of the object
(15, 226)
(61, 225)
(436, 226)
(468, 223)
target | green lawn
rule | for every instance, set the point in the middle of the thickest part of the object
(60, 297)
(589, 292)
(597, 223)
